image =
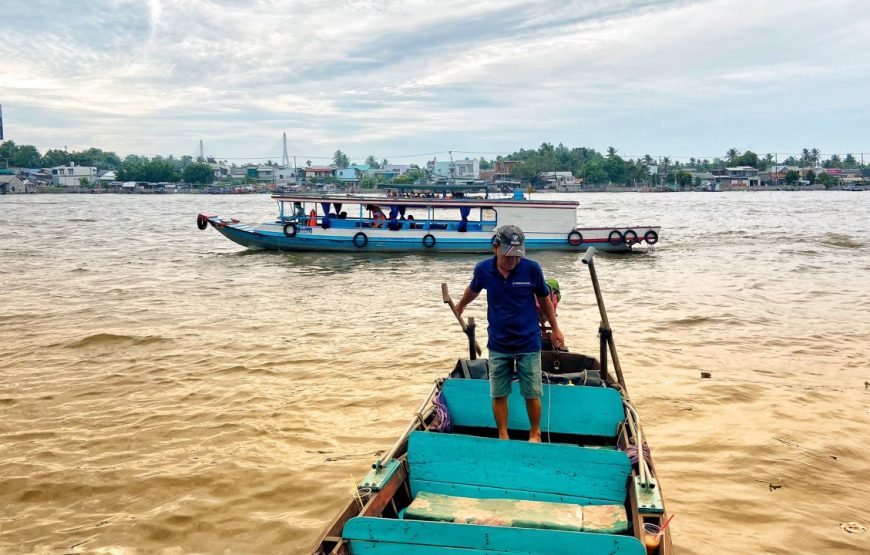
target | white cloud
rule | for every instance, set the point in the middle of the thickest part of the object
(399, 77)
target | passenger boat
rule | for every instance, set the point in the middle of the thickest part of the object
(422, 224)
(449, 485)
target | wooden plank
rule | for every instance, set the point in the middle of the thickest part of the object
(361, 547)
(589, 411)
(482, 492)
(380, 499)
(485, 538)
(519, 465)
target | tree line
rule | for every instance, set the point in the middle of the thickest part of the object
(593, 166)
(131, 168)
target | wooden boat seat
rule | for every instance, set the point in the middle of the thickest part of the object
(488, 468)
(388, 536)
(579, 410)
(607, 519)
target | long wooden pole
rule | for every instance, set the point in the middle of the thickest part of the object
(449, 302)
(605, 323)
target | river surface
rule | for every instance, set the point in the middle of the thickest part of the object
(165, 390)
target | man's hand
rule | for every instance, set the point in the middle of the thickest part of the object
(467, 296)
(558, 338)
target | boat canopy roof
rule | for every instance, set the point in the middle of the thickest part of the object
(426, 202)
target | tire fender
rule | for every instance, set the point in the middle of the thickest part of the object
(575, 238)
(360, 240)
(615, 237)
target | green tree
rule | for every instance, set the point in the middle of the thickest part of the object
(683, 179)
(731, 155)
(198, 173)
(484, 164)
(811, 177)
(339, 160)
(827, 180)
(791, 177)
(748, 158)
(26, 156)
(614, 167)
(372, 162)
(850, 161)
(611, 152)
(593, 173)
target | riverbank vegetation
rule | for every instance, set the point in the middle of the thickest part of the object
(528, 165)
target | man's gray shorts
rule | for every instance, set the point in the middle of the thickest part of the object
(501, 374)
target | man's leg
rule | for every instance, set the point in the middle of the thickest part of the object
(501, 370)
(500, 411)
(533, 407)
(529, 370)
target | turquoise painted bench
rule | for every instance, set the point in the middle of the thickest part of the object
(382, 536)
(486, 468)
(588, 411)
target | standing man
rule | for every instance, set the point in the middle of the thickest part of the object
(512, 282)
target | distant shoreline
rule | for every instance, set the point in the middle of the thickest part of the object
(614, 189)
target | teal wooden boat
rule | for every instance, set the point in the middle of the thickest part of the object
(450, 486)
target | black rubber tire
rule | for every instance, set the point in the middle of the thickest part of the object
(201, 222)
(360, 240)
(615, 237)
(651, 237)
(575, 238)
(429, 240)
(290, 231)
(630, 237)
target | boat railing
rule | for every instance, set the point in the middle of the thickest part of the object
(354, 223)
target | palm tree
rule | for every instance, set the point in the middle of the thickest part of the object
(611, 152)
(815, 155)
(805, 157)
(648, 160)
(340, 159)
(732, 155)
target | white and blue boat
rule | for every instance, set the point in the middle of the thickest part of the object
(403, 223)
(449, 485)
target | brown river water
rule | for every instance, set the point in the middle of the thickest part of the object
(163, 390)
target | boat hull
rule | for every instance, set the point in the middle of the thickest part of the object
(271, 236)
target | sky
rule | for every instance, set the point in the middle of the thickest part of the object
(413, 80)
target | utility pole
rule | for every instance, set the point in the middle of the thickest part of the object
(201, 152)
(285, 161)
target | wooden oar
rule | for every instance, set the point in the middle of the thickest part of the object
(605, 324)
(449, 302)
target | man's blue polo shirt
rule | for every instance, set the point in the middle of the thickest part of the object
(511, 312)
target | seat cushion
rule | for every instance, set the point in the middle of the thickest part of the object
(517, 513)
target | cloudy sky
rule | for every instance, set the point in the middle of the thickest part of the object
(402, 79)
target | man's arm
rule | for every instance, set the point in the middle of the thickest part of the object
(467, 297)
(550, 314)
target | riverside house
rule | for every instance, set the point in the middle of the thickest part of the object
(72, 175)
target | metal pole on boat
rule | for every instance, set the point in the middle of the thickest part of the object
(419, 420)
(605, 323)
